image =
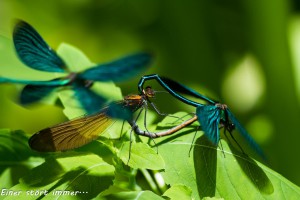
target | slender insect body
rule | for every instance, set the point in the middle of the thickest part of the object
(225, 120)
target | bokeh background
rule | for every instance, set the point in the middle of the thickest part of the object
(244, 53)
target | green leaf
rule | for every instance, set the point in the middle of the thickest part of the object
(139, 195)
(141, 156)
(15, 160)
(210, 171)
(77, 62)
(178, 192)
(74, 58)
(84, 175)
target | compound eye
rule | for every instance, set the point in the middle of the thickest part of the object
(231, 127)
(149, 92)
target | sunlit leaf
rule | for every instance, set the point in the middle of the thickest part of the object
(78, 177)
(226, 173)
(141, 156)
(139, 195)
(178, 192)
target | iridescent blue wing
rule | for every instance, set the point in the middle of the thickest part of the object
(37, 90)
(10, 80)
(88, 99)
(119, 111)
(245, 134)
(93, 102)
(33, 93)
(34, 51)
(118, 70)
(55, 82)
(209, 118)
(178, 87)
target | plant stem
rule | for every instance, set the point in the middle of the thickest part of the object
(150, 181)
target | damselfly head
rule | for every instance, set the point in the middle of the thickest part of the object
(149, 92)
(221, 106)
(230, 127)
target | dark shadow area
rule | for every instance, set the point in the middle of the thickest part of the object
(14, 153)
(205, 163)
(98, 148)
(254, 173)
(79, 179)
(17, 172)
(38, 176)
(88, 186)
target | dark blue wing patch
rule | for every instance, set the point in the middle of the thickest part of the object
(209, 118)
(88, 99)
(119, 111)
(33, 93)
(118, 70)
(178, 87)
(34, 51)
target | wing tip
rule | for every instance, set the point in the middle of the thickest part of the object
(41, 142)
(19, 23)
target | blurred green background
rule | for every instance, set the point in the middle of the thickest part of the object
(245, 53)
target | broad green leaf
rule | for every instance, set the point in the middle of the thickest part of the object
(84, 175)
(226, 173)
(15, 160)
(139, 195)
(74, 58)
(141, 156)
(178, 192)
(76, 62)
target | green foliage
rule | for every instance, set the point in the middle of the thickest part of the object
(224, 173)
(198, 43)
(16, 157)
(141, 195)
(178, 192)
(107, 169)
(141, 156)
(88, 174)
(192, 170)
